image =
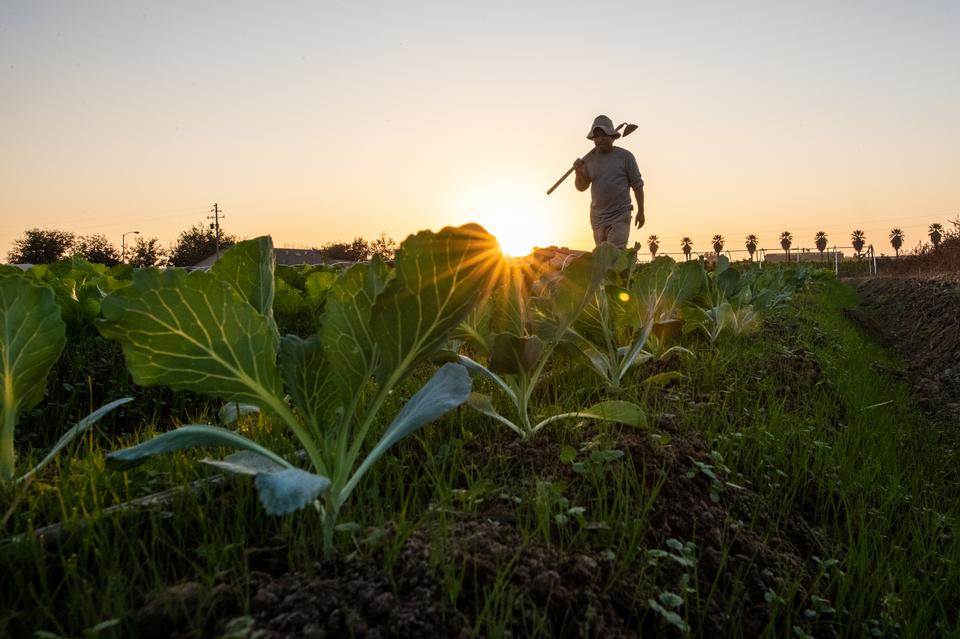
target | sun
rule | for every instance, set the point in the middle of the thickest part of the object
(514, 212)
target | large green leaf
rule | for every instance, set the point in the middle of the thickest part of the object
(439, 278)
(194, 332)
(30, 343)
(248, 267)
(508, 301)
(347, 336)
(307, 378)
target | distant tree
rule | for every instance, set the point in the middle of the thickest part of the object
(360, 249)
(654, 243)
(718, 243)
(896, 240)
(936, 233)
(752, 245)
(196, 244)
(686, 245)
(820, 240)
(336, 251)
(858, 238)
(97, 249)
(356, 251)
(786, 240)
(146, 253)
(41, 247)
(383, 246)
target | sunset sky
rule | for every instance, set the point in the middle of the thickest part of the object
(323, 121)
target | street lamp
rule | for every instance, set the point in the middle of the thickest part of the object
(123, 245)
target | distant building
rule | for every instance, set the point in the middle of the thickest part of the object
(283, 256)
(803, 256)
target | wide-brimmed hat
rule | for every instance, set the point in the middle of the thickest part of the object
(605, 124)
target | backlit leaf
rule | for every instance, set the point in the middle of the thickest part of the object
(348, 339)
(439, 277)
(248, 267)
(33, 334)
(307, 378)
(193, 332)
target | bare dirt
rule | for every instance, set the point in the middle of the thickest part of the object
(919, 317)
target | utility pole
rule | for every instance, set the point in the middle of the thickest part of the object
(215, 225)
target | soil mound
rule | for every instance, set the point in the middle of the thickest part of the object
(943, 260)
(920, 319)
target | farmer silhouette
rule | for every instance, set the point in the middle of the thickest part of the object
(610, 173)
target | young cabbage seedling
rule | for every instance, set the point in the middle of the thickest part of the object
(521, 332)
(213, 332)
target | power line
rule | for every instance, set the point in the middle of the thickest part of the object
(93, 221)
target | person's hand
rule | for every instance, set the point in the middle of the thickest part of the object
(640, 219)
(578, 165)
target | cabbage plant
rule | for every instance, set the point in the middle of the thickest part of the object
(79, 287)
(735, 302)
(519, 333)
(32, 336)
(612, 333)
(213, 332)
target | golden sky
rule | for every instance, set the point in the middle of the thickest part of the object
(323, 121)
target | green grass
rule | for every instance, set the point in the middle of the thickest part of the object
(808, 414)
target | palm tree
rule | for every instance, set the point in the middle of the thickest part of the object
(654, 243)
(896, 240)
(786, 239)
(718, 243)
(820, 239)
(752, 245)
(859, 238)
(936, 233)
(686, 244)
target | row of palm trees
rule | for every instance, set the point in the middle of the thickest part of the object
(858, 239)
